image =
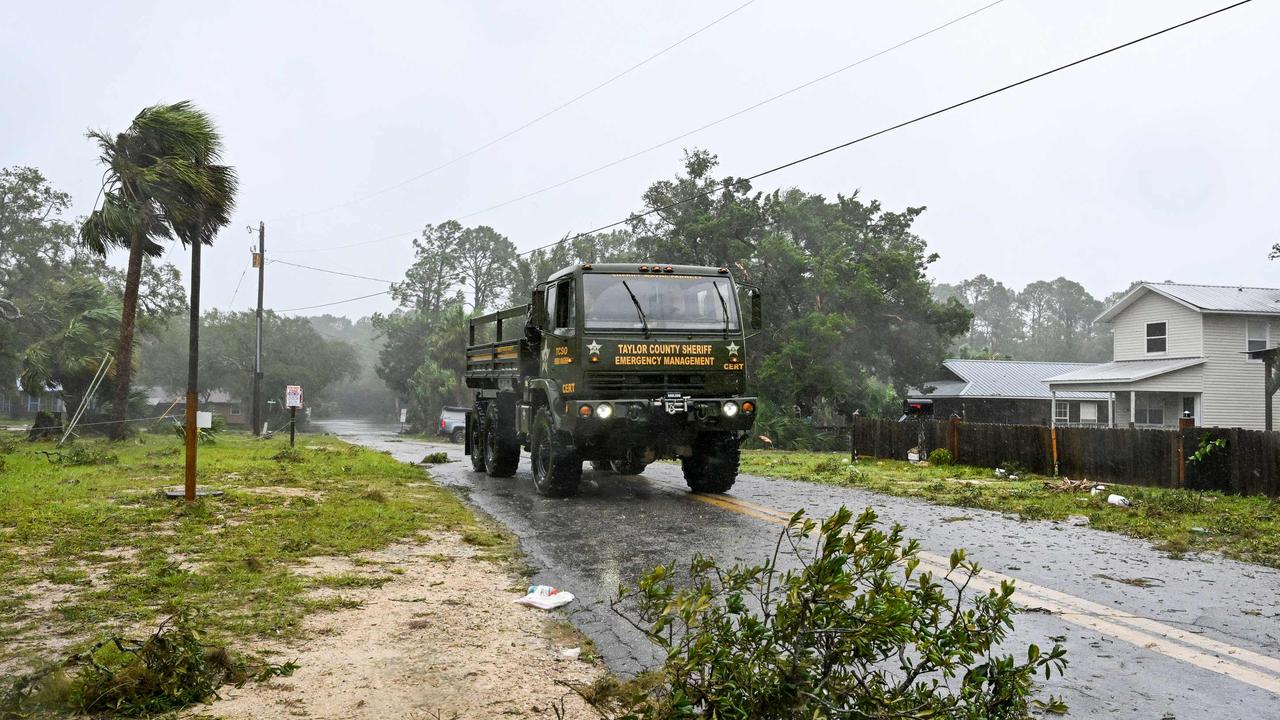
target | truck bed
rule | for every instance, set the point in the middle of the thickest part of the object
(495, 347)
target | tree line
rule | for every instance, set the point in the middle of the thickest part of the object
(1049, 320)
(851, 319)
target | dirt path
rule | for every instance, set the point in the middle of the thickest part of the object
(440, 639)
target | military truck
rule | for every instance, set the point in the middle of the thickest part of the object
(618, 365)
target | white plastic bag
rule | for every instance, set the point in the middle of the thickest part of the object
(1118, 500)
(545, 597)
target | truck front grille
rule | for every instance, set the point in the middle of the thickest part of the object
(625, 384)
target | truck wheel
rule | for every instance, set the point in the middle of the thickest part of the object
(477, 447)
(501, 456)
(458, 436)
(713, 466)
(557, 469)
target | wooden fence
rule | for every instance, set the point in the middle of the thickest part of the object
(1249, 463)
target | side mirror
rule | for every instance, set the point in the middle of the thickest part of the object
(538, 309)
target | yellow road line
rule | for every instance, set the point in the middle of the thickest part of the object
(1262, 671)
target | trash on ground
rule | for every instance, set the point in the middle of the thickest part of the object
(545, 597)
(913, 455)
(571, 653)
(1078, 520)
(1118, 500)
(1098, 489)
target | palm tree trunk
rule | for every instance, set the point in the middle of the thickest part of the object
(124, 351)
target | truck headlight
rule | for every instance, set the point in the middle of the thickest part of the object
(730, 408)
(604, 411)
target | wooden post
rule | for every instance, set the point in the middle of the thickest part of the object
(1053, 444)
(953, 439)
(293, 422)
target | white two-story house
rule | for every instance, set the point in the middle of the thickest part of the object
(1181, 349)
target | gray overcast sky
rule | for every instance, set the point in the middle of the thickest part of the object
(1158, 162)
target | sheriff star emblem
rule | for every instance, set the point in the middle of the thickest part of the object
(593, 347)
(546, 352)
(732, 348)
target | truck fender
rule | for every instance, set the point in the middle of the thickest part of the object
(543, 391)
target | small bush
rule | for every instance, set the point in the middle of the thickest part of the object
(292, 455)
(169, 670)
(941, 456)
(854, 630)
(8, 444)
(435, 458)
(830, 466)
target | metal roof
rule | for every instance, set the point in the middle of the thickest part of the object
(1123, 371)
(1205, 298)
(1014, 379)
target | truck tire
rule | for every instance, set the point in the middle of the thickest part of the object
(557, 468)
(501, 455)
(477, 446)
(458, 436)
(713, 466)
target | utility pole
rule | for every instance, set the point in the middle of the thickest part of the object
(193, 368)
(260, 260)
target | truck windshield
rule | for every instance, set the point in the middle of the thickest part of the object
(666, 302)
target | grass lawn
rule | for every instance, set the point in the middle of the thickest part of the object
(88, 545)
(1178, 521)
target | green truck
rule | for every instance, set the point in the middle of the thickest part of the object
(618, 365)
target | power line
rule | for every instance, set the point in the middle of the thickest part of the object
(237, 290)
(730, 116)
(332, 272)
(384, 238)
(706, 126)
(336, 302)
(869, 136)
(891, 128)
(529, 123)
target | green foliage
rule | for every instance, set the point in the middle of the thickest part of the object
(289, 455)
(206, 436)
(77, 455)
(1207, 447)
(941, 456)
(435, 458)
(170, 669)
(857, 629)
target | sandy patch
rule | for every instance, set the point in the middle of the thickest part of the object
(440, 640)
(281, 491)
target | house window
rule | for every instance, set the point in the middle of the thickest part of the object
(1257, 335)
(33, 403)
(1148, 410)
(235, 410)
(1062, 412)
(1089, 413)
(1157, 337)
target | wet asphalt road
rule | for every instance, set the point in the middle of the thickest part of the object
(1201, 641)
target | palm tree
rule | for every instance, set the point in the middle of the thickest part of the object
(162, 181)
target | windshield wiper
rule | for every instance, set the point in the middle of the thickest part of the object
(643, 321)
(723, 306)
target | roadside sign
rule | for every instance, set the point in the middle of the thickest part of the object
(293, 396)
(204, 419)
(404, 415)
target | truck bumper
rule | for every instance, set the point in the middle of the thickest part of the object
(638, 415)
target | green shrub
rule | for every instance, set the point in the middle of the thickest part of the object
(941, 456)
(169, 670)
(292, 455)
(853, 631)
(435, 458)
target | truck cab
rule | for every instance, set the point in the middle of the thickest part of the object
(618, 364)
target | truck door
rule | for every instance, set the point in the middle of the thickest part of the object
(558, 347)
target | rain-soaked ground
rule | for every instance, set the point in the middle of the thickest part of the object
(1197, 638)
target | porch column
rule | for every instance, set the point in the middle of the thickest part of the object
(1111, 409)
(1133, 408)
(1053, 408)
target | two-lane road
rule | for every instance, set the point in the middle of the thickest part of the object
(1196, 638)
